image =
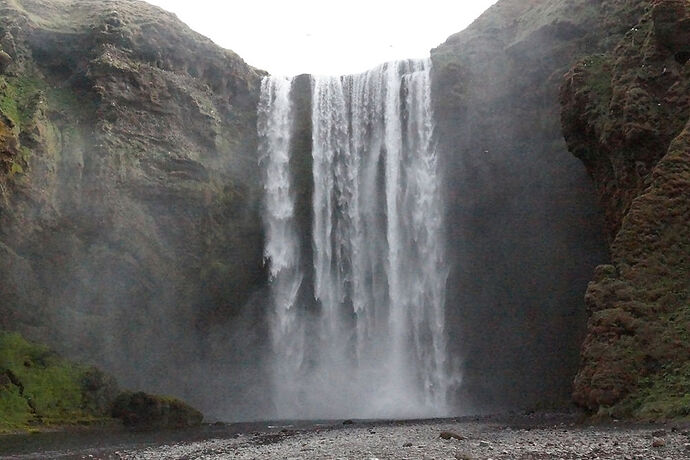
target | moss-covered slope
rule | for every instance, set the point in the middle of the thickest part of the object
(626, 116)
(39, 389)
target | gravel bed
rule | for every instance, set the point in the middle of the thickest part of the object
(453, 440)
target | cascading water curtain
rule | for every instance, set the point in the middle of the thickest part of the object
(282, 247)
(376, 346)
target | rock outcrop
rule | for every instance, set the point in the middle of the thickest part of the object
(143, 411)
(626, 115)
(130, 233)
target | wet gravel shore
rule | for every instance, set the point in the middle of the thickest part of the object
(506, 437)
(447, 439)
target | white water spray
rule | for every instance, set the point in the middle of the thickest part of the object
(372, 344)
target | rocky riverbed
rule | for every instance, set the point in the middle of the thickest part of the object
(525, 438)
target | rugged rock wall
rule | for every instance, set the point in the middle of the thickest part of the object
(523, 221)
(625, 115)
(129, 225)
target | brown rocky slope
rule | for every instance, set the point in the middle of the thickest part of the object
(626, 115)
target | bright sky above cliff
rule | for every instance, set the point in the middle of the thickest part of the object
(289, 37)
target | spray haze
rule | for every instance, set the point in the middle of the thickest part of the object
(371, 341)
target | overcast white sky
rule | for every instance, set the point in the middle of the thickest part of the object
(289, 37)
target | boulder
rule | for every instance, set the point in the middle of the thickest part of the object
(139, 410)
(5, 61)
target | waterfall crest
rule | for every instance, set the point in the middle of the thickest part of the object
(371, 342)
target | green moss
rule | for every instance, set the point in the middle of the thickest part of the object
(19, 97)
(665, 395)
(663, 390)
(42, 388)
(8, 102)
(598, 78)
(70, 103)
(15, 413)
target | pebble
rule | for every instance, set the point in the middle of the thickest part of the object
(450, 435)
(658, 443)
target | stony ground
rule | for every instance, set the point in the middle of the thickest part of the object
(467, 439)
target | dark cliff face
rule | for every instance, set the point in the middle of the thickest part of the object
(625, 115)
(129, 222)
(522, 215)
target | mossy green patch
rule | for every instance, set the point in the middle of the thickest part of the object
(19, 97)
(15, 413)
(664, 395)
(42, 388)
(599, 76)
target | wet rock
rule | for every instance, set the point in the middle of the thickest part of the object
(5, 61)
(450, 435)
(658, 443)
(348, 422)
(463, 456)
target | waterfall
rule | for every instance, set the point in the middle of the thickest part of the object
(282, 243)
(371, 342)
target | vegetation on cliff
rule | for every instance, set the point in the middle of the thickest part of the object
(39, 390)
(626, 115)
